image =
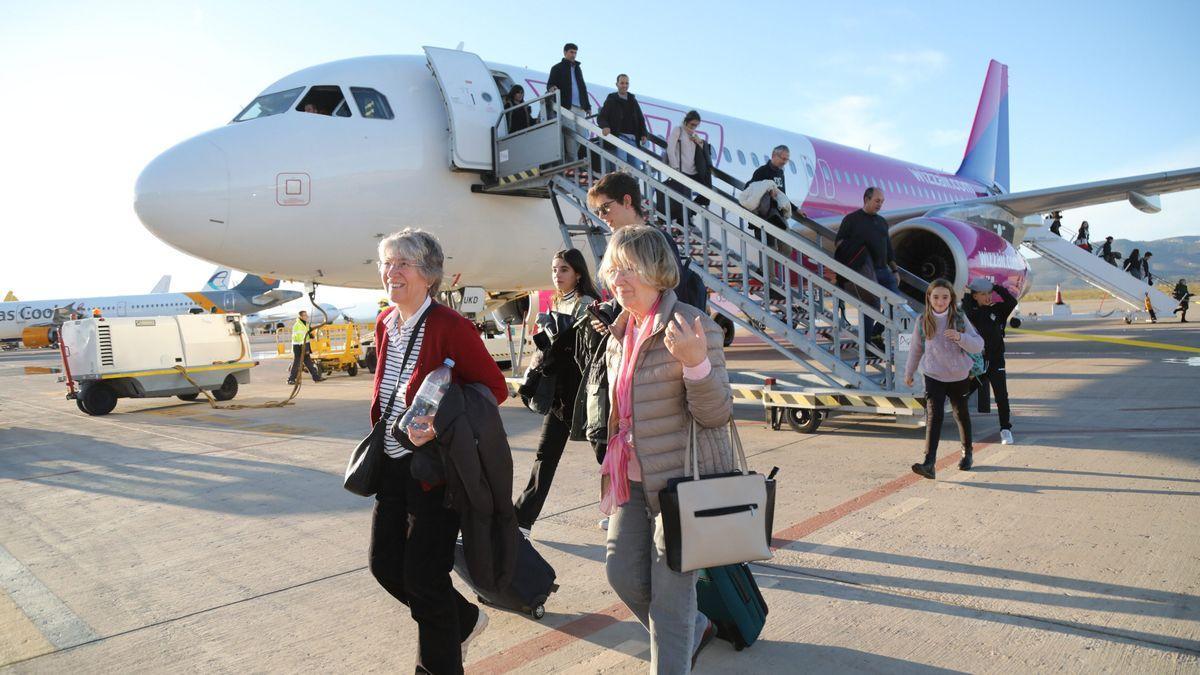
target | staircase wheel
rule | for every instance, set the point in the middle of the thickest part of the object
(803, 420)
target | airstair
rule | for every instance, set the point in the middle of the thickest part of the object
(1095, 271)
(778, 285)
(774, 283)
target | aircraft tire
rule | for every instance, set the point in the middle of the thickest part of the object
(229, 389)
(99, 399)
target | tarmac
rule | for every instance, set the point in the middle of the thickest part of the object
(168, 536)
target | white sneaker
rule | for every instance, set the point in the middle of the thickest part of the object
(480, 625)
(1006, 437)
(603, 524)
(528, 534)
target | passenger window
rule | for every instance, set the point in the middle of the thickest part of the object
(324, 100)
(793, 165)
(741, 158)
(754, 157)
(371, 104)
(269, 104)
(725, 153)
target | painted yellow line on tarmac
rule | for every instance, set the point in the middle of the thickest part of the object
(1111, 340)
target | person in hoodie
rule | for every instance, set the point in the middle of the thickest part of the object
(989, 318)
(621, 115)
(942, 343)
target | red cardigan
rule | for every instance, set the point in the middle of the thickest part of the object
(448, 334)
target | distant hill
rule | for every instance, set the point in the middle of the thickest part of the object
(1174, 258)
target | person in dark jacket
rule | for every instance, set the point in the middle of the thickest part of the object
(1146, 274)
(1181, 294)
(1133, 264)
(566, 76)
(521, 118)
(622, 115)
(990, 318)
(866, 232)
(1106, 252)
(773, 169)
(412, 529)
(574, 291)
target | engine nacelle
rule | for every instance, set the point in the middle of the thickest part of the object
(39, 336)
(945, 248)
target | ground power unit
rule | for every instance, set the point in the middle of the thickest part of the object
(109, 358)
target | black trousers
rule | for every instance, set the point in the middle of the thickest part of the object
(1181, 310)
(997, 380)
(297, 352)
(936, 393)
(545, 464)
(412, 553)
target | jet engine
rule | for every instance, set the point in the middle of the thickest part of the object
(945, 248)
(39, 336)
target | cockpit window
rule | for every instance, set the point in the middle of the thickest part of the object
(324, 100)
(269, 104)
(371, 104)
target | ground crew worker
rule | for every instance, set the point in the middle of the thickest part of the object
(301, 334)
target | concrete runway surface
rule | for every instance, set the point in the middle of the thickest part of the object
(168, 536)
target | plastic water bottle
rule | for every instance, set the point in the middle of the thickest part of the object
(425, 404)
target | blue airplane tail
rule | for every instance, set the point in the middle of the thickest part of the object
(254, 284)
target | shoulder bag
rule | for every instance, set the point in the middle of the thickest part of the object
(366, 462)
(716, 520)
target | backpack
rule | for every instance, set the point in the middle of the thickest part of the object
(979, 364)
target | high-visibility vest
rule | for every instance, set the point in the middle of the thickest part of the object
(299, 332)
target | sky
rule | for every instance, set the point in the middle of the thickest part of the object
(98, 89)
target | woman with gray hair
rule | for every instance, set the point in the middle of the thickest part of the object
(666, 368)
(412, 531)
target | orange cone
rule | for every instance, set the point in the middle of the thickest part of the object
(1058, 295)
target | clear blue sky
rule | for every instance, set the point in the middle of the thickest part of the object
(1097, 90)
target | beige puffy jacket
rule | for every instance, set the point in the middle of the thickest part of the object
(663, 401)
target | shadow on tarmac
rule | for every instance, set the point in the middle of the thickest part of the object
(206, 481)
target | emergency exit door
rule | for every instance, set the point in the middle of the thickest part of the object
(473, 105)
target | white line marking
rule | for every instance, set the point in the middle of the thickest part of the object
(834, 543)
(60, 626)
(903, 508)
(767, 582)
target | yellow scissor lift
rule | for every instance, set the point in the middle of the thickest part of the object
(334, 347)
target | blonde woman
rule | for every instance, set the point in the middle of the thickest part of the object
(666, 368)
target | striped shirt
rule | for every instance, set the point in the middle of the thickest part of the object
(396, 374)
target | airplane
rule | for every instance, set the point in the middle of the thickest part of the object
(258, 192)
(163, 285)
(10, 297)
(36, 323)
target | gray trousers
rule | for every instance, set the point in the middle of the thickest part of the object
(662, 599)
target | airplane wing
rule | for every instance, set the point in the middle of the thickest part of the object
(1032, 202)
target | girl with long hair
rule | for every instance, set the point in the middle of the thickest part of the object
(942, 343)
(573, 292)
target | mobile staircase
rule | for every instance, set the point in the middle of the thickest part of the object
(774, 283)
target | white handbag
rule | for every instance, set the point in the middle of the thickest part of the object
(723, 519)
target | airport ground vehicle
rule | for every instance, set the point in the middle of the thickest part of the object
(105, 359)
(334, 347)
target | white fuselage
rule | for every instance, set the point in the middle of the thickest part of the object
(218, 195)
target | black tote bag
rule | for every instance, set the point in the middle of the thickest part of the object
(365, 465)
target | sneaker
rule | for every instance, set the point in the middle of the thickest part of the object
(603, 524)
(292, 383)
(480, 625)
(923, 470)
(1006, 437)
(709, 633)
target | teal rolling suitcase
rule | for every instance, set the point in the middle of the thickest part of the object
(730, 598)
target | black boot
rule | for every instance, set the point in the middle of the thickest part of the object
(967, 461)
(925, 470)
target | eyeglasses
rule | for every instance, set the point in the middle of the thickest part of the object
(401, 265)
(604, 208)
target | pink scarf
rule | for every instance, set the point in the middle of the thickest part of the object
(620, 448)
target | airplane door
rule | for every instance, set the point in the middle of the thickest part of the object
(120, 309)
(472, 105)
(827, 176)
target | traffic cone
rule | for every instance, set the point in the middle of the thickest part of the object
(1058, 295)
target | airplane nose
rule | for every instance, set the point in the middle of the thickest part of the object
(182, 197)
